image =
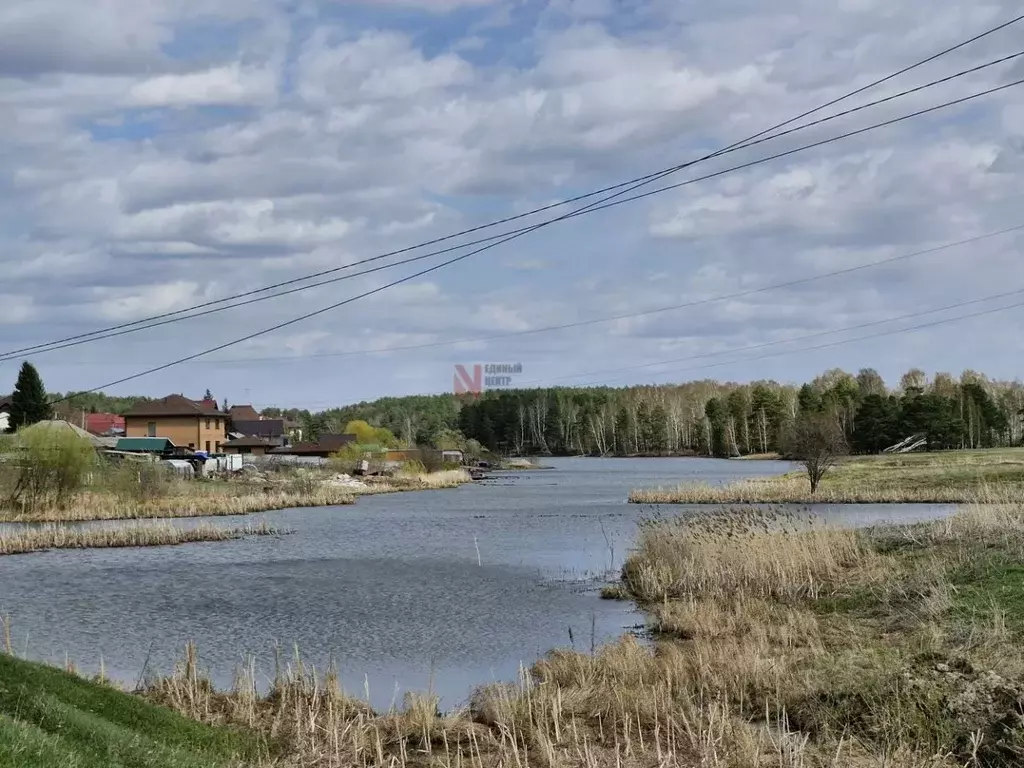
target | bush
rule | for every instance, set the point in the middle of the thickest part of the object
(413, 467)
(138, 482)
(51, 464)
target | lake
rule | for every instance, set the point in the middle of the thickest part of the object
(440, 590)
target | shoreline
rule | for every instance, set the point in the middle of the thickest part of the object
(219, 498)
(954, 477)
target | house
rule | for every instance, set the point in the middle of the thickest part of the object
(201, 426)
(269, 430)
(324, 447)
(104, 424)
(154, 445)
(5, 412)
(243, 413)
(253, 446)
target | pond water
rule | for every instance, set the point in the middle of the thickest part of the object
(440, 590)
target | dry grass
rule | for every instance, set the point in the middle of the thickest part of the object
(415, 481)
(744, 552)
(60, 537)
(187, 499)
(954, 477)
(779, 642)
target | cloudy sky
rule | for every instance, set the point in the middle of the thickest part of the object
(158, 154)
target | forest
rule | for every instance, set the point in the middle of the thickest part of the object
(707, 418)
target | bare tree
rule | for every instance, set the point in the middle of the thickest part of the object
(816, 440)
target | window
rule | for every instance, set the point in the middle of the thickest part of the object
(192, 446)
(207, 423)
(218, 446)
(151, 429)
(245, 450)
(207, 446)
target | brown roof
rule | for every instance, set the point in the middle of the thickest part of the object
(247, 442)
(335, 442)
(172, 405)
(325, 445)
(243, 413)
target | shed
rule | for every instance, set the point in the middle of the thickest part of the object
(144, 445)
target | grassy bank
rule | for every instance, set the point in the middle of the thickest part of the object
(61, 537)
(51, 718)
(931, 478)
(209, 498)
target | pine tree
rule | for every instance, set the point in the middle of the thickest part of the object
(29, 403)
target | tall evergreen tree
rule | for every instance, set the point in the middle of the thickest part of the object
(29, 403)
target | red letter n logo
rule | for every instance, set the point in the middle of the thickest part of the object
(466, 384)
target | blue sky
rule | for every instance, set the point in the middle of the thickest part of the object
(156, 155)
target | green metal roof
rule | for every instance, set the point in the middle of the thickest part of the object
(145, 444)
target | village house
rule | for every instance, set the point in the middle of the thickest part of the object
(249, 446)
(243, 413)
(324, 447)
(200, 425)
(104, 424)
(5, 412)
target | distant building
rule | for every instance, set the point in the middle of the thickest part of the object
(243, 413)
(5, 412)
(248, 446)
(269, 430)
(200, 425)
(104, 424)
(452, 457)
(324, 447)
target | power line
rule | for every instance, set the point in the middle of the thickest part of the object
(634, 184)
(777, 342)
(893, 332)
(632, 315)
(593, 208)
(456, 259)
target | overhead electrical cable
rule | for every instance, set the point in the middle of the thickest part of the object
(634, 183)
(778, 342)
(599, 206)
(891, 332)
(630, 315)
(448, 262)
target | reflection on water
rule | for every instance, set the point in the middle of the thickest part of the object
(391, 589)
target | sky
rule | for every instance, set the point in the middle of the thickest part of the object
(159, 154)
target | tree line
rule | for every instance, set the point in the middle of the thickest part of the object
(707, 417)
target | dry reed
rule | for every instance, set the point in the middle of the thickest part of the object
(197, 499)
(48, 537)
(780, 643)
(796, 490)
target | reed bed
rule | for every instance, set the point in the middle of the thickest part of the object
(196, 499)
(935, 478)
(778, 642)
(415, 481)
(38, 539)
(795, 490)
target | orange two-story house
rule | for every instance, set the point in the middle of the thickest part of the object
(186, 423)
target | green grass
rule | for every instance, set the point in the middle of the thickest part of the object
(50, 718)
(941, 477)
(993, 583)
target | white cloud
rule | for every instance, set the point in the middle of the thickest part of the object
(153, 166)
(229, 85)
